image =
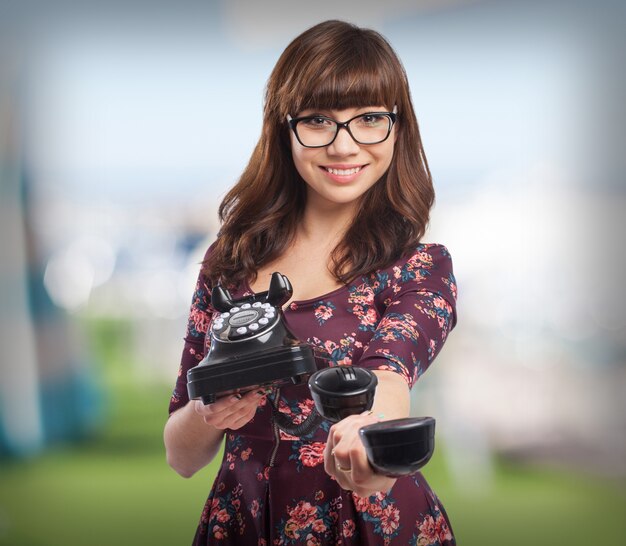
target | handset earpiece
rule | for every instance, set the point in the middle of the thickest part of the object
(341, 391)
(280, 290)
(221, 300)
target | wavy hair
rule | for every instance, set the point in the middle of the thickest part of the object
(333, 65)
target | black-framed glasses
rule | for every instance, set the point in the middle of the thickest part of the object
(319, 131)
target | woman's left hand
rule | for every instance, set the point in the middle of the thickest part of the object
(346, 461)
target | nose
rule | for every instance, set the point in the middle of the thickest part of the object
(344, 144)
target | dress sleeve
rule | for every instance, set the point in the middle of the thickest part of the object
(419, 301)
(193, 351)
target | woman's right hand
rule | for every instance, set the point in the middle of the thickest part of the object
(231, 412)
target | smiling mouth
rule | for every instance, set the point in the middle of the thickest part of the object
(343, 172)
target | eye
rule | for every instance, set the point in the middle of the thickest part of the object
(317, 122)
(371, 120)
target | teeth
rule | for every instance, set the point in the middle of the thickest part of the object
(343, 172)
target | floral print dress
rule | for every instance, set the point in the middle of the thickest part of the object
(271, 488)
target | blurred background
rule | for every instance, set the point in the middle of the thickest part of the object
(122, 125)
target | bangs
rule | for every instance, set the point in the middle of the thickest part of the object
(352, 76)
(349, 90)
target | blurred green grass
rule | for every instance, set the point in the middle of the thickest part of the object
(116, 488)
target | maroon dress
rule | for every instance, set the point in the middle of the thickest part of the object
(271, 488)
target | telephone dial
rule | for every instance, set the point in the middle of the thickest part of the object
(251, 348)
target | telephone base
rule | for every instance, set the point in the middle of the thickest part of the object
(276, 367)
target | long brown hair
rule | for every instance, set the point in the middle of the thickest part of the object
(333, 65)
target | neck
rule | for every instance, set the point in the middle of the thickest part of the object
(327, 225)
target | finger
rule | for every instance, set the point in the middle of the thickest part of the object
(362, 471)
(353, 469)
(341, 453)
(237, 415)
(333, 453)
(220, 405)
(329, 463)
(343, 479)
(218, 416)
(342, 463)
(241, 421)
(224, 420)
(252, 395)
(250, 402)
(228, 404)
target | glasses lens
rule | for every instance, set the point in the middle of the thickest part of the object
(370, 128)
(318, 131)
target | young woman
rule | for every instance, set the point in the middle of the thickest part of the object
(336, 196)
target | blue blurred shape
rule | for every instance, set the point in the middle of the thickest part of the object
(47, 392)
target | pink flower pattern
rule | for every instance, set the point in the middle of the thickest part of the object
(324, 311)
(312, 454)
(271, 488)
(433, 530)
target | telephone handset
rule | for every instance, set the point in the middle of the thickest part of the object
(395, 448)
(251, 346)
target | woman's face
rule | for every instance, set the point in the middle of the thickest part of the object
(339, 174)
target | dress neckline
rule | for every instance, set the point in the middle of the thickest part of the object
(309, 301)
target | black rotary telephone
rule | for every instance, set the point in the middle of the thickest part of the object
(252, 348)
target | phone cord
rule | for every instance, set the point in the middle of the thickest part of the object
(287, 425)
